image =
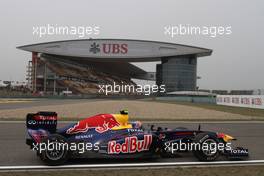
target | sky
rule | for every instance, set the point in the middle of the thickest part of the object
(236, 62)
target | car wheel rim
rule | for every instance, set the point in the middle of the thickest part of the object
(210, 151)
(56, 153)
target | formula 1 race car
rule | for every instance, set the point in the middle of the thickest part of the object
(111, 135)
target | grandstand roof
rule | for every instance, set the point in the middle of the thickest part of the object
(116, 49)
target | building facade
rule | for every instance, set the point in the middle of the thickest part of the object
(81, 65)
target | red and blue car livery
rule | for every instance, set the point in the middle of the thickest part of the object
(112, 135)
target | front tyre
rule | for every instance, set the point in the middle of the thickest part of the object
(56, 152)
(208, 150)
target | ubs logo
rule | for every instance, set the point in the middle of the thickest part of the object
(109, 48)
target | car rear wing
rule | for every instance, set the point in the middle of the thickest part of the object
(42, 120)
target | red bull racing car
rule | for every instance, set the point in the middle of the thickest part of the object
(112, 136)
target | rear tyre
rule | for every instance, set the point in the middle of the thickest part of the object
(209, 153)
(56, 153)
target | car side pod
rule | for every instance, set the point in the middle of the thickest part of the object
(237, 153)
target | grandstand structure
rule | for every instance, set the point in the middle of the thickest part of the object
(80, 66)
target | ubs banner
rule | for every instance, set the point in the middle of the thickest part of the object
(250, 101)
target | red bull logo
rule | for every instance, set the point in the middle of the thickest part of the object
(101, 123)
(131, 145)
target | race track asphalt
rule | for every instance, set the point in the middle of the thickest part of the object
(15, 152)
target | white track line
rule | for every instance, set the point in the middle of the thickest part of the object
(92, 166)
